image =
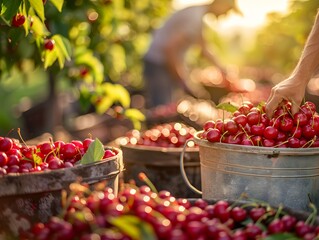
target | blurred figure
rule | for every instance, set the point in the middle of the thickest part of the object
(294, 87)
(165, 69)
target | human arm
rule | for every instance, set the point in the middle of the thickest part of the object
(294, 87)
(174, 62)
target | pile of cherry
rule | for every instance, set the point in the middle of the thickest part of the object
(16, 157)
(170, 135)
(249, 125)
(141, 213)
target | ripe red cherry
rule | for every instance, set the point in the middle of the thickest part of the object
(308, 132)
(86, 143)
(3, 159)
(300, 119)
(6, 144)
(268, 142)
(213, 135)
(241, 120)
(258, 129)
(289, 222)
(256, 213)
(244, 109)
(69, 150)
(108, 153)
(270, 132)
(209, 124)
(253, 118)
(238, 214)
(286, 124)
(231, 127)
(18, 20)
(276, 226)
(49, 44)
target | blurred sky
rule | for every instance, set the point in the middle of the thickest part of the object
(254, 11)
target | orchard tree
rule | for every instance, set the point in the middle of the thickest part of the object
(93, 45)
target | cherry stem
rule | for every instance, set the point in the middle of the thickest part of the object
(142, 176)
(312, 217)
(19, 133)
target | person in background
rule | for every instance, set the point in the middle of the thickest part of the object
(294, 87)
(165, 69)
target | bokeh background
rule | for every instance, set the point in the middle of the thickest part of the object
(259, 49)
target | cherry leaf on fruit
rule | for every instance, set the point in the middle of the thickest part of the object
(227, 106)
(94, 153)
(134, 227)
(37, 5)
(36, 158)
(50, 57)
(282, 236)
(261, 104)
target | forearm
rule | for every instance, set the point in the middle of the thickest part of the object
(308, 64)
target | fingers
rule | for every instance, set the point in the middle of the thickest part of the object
(272, 103)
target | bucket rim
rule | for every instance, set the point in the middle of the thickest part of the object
(154, 149)
(253, 149)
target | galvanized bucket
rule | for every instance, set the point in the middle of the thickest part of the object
(35, 197)
(275, 175)
(161, 165)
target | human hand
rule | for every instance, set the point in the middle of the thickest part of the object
(292, 89)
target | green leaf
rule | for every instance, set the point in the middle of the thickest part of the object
(39, 29)
(227, 107)
(87, 58)
(63, 44)
(58, 4)
(134, 227)
(122, 95)
(104, 104)
(94, 153)
(37, 5)
(50, 57)
(282, 236)
(9, 8)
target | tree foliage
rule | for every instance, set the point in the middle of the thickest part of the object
(280, 42)
(97, 43)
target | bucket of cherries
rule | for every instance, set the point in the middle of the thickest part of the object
(248, 125)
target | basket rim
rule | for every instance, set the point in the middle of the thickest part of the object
(253, 149)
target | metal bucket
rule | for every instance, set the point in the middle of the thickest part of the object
(275, 175)
(161, 165)
(35, 197)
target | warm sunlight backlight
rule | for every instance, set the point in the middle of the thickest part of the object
(254, 11)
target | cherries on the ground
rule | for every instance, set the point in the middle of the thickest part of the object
(249, 125)
(16, 157)
(140, 211)
(171, 135)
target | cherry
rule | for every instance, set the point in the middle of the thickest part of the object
(55, 163)
(209, 124)
(268, 142)
(49, 44)
(231, 127)
(308, 132)
(300, 119)
(69, 150)
(252, 231)
(6, 144)
(289, 222)
(18, 20)
(286, 124)
(270, 132)
(258, 129)
(213, 135)
(238, 214)
(256, 213)
(244, 109)
(253, 118)
(301, 228)
(86, 143)
(294, 142)
(241, 120)
(296, 132)
(276, 226)
(3, 159)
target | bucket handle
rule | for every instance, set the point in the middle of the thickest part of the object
(184, 175)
